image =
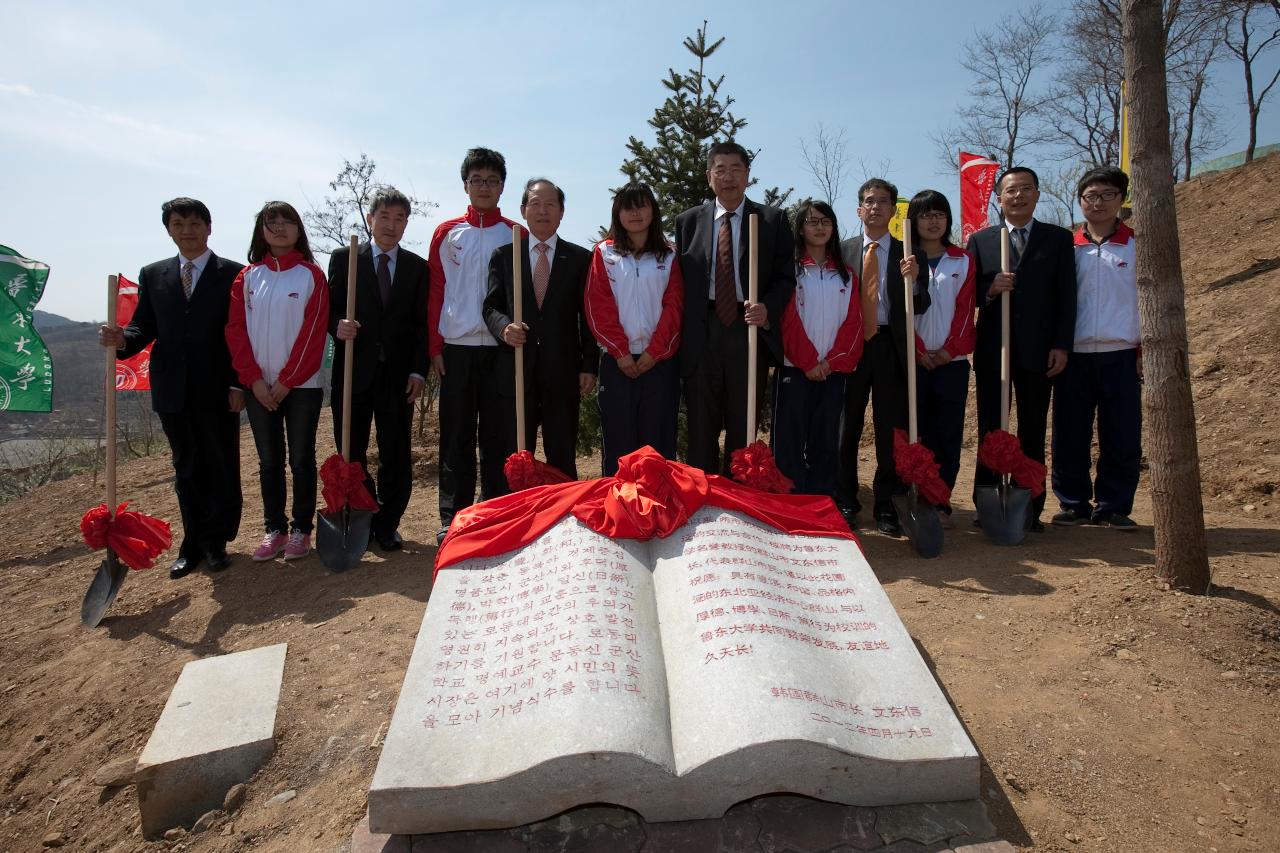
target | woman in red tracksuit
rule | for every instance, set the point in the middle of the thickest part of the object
(945, 334)
(276, 333)
(633, 300)
(821, 342)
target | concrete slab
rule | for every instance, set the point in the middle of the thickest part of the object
(216, 730)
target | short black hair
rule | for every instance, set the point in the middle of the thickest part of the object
(528, 186)
(1109, 175)
(878, 184)
(728, 147)
(483, 158)
(1018, 170)
(184, 206)
(389, 197)
(930, 201)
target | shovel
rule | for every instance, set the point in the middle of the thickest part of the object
(919, 519)
(110, 575)
(1002, 509)
(343, 536)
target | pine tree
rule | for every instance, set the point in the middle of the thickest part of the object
(694, 115)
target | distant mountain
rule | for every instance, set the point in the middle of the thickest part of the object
(44, 321)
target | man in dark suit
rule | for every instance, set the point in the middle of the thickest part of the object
(391, 362)
(881, 374)
(182, 306)
(561, 358)
(712, 241)
(1043, 317)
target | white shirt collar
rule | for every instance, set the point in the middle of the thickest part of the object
(377, 250)
(721, 210)
(1012, 227)
(551, 245)
(882, 241)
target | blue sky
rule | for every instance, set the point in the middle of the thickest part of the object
(108, 110)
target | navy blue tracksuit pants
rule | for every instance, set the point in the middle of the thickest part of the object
(636, 412)
(941, 395)
(1106, 383)
(806, 429)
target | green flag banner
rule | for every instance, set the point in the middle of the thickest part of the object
(26, 371)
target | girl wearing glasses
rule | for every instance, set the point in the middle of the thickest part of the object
(276, 332)
(633, 300)
(945, 334)
(821, 342)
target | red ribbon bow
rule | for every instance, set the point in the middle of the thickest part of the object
(524, 471)
(754, 466)
(1002, 453)
(916, 466)
(344, 486)
(136, 538)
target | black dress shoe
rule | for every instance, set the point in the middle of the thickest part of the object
(182, 567)
(440, 534)
(888, 525)
(1035, 525)
(217, 560)
(389, 541)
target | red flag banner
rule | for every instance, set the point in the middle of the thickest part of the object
(132, 374)
(977, 180)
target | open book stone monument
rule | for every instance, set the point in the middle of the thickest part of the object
(675, 677)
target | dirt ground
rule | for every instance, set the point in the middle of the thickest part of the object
(1111, 713)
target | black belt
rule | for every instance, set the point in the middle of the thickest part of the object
(711, 304)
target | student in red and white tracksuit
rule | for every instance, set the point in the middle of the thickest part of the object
(945, 335)
(276, 329)
(821, 342)
(462, 349)
(633, 303)
(1104, 374)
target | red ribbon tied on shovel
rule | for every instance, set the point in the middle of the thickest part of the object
(344, 486)
(916, 466)
(135, 537)
(524, 471)
(1001, 452)
(754, 466)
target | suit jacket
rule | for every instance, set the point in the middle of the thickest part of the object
(852, 250)
(560, 344)
(190, 362)
(395, 334)
(696, 235)
(1043, 303)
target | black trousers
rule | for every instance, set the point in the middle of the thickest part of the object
(382, 403)
(295, 419)
(881, 379)
(941, 395)
(551, 404)
(468, 400)
(1032, 390)
(636, 412)
(806, 429)
(715, 395)
(205, 444)
(1105, 383)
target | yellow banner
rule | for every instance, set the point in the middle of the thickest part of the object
(895, 224)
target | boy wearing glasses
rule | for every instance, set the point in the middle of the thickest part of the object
(1042, 285)
(462, 349)
(1104, 373)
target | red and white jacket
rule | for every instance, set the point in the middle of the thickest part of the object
(823, 316)
(276, 325)
(459, 264)
(953, 294)
(1107, 293)
(633, 303)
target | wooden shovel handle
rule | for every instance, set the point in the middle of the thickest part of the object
(753, 294)
(1004, 334)
(349, 350)
(517, 301)
(109, 388)
(908, 288)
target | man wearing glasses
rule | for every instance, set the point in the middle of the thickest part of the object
(461, 348)
(1043, 318)
(1104, 373)
(881, 374)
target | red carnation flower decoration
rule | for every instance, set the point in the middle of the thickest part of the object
(916, 466)
(344, 486)
(754, 466)
(524, 471)
(136, 538)
(1002, 453)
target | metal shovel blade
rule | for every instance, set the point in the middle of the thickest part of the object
(1003, 512)
(342, 537)
(102, 591)
(920, 521)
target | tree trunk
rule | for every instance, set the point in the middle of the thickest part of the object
(1181, 554)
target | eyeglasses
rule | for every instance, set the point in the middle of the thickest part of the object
(874, 202)
(1013, 192)
(722, 171)
(280, 224)
(815, 222)
(477, 183)
(1099, 198)
(932, 216)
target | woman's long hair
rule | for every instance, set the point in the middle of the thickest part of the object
(930, 201)
(630, 197)
(258, 248)
(821, 208)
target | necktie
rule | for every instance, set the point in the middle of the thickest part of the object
(1019, 244)
(188, 281)
(870, 292)
(726, 291)
(384, 278)
(541, 273)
